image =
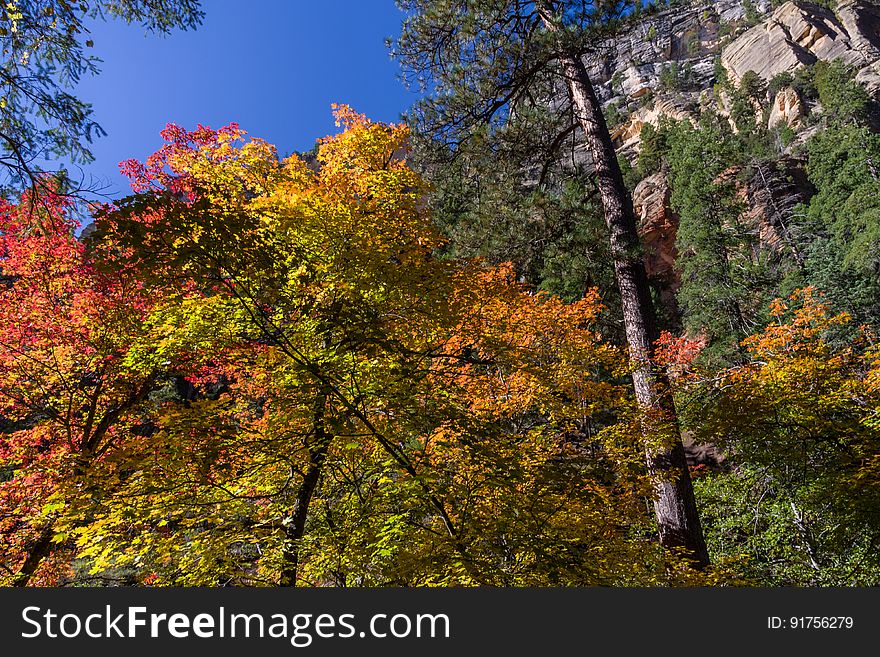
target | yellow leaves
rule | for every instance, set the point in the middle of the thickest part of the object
(14, 14)
(52, 507)
(525, 351)
(805, 398)
(367, 162)
(796, 365)
(317, 297)
(192, 328)
(872, 377)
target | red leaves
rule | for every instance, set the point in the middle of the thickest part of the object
(677, 353)
(64, 325)
(167, 168)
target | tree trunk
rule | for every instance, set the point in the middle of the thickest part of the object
(674, 503)
(295, 524)
(39, 551)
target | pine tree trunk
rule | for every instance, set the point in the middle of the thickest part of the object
(674, 503)
(295, 524)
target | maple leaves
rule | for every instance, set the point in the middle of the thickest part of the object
(66, 393)
(799, 422)
(363, 411)
(258, 372)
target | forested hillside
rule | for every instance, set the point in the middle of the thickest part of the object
(602, 310)
(747, 137)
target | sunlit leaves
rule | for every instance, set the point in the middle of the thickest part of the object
(462, 416)
(799, 421)
(68, 391)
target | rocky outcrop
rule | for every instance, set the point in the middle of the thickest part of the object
(631, 71)
(631, 76)
(787, 108)
(800, 33)
(773, 191)
(657, 223)
(658, 227)
(628, 67)
(685, 32)
(626, 135)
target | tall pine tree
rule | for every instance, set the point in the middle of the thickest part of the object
(484, 61)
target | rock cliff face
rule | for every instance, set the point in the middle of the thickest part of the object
(799, 33)
(786, 108)
(771, 193)
(668, 63)
(667, 66)
(626, 135)
(658, 226)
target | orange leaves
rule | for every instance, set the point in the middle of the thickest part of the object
(364, 177)
(800, 361)
(806, 393)
(518, 351)
(363, 146)
(802, 333)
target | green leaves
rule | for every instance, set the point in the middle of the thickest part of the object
(796, 425)
(42, 61)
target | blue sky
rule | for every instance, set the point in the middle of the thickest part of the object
(273, 66)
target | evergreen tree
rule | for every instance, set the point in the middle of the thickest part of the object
(484, 60)
(841, 225)
(723, 268)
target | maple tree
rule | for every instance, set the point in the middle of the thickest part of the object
(799, 421)
(381, 416)
(68, 394)
(317, 265)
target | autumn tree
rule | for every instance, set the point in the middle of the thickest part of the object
(388, 416)
(798, 423)
(484, 62)
(325, 267)
(502, 423)
(68, 393)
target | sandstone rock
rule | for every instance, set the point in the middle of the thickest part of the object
(861, 20)
(658, 226)
(626, 69)
(684, 33)
(773, 192)
(869, 77)
(627, 135)
(786, 108)
(800, 33)
(638, 80)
